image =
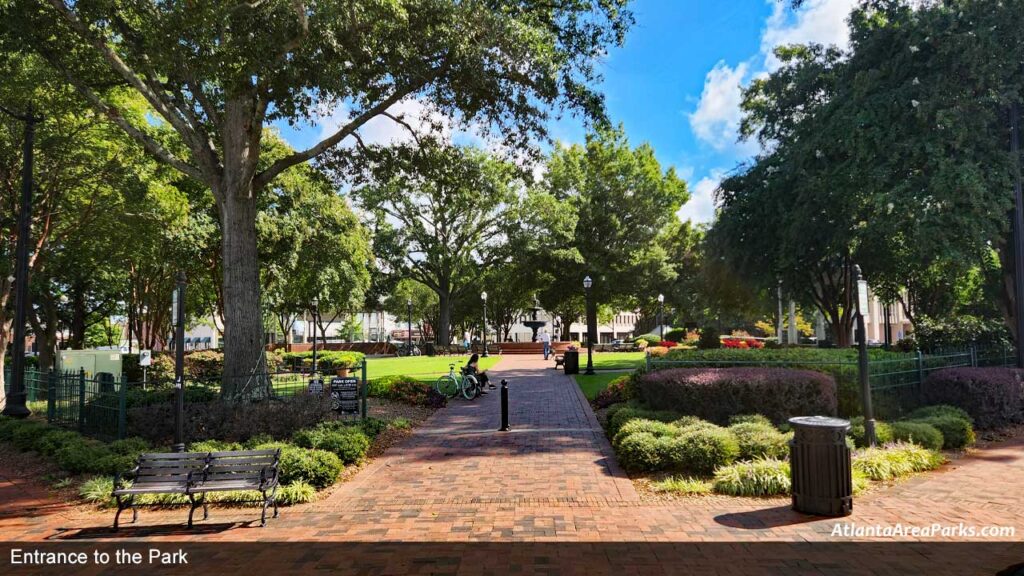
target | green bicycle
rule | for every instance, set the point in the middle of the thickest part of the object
(452, 384)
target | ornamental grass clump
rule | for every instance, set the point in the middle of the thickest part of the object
(653, 427)
(761, 477)
(683, 485)
(895, 461)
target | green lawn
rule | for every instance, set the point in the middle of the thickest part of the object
(592, 385)
(614, 360)
(424, 368)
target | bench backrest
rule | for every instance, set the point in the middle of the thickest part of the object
(170, 467)
(241, 464)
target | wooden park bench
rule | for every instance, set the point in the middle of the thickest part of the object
(193, 474)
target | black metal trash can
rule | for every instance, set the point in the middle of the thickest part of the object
(820, 466)
(430, 349)
(572, 362)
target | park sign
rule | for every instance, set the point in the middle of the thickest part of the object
(345, 394)
(862, 296)
(145, 357)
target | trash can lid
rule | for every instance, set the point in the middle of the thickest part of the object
(819, 422)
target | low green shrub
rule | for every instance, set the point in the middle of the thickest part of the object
(256, 440)
(372, 427)
(129, 446)
(349, 442)
(920, 433)
(650, 339)
(748, 418)
(628, 413)
(685, 485)
(698, 450)
(318, 468)
(940, 410)
(214, 446)
(883, 432)
(8, 426)
(759, 440)
(710, 338)
(895, 461)
(618, 390)
(957, 433)
(761, 477)
(688, 421)
(639, 452)
(53, 440)
(24, 437)
(637, 425)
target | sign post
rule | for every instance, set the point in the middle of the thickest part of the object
(862, 357)
(145, 360)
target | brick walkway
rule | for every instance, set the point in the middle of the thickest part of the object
(552, 479)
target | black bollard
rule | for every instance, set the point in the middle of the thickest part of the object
(504, 407)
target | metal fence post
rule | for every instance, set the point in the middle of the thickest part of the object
(363, 389)
(51, 396)
(122, 408)
(920, 373)
(647, 362)
(31, 376)
(81, 399)
(974, 356)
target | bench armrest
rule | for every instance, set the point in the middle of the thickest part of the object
(268, 475)
(119, 476)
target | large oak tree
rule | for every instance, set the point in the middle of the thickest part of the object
(218, 72)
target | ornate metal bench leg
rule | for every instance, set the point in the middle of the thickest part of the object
(192, 508)
(206, 511)
(273, 496)
(135, 511)
(263, 515)
(120, 508)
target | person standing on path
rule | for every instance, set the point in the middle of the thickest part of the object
(545, 337)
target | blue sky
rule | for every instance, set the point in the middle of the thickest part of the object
(676, 82)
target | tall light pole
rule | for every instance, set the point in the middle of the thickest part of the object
(15, 405)
(861, 286)
(178, 319)
(779, 331)
(661, 318)
(483, 296)
(587, 284)
(408, 336)
(316, 318)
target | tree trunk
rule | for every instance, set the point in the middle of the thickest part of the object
(443, 328)
(244, 360)
(76, 341)
(4, 335)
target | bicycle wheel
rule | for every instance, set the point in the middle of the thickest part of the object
(470, 388)
(446, 386)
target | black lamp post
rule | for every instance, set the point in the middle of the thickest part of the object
(483, 296)
(661, 318)
(861, 286)
(15, 405)
(178, 320)
(408, 337)
(591, 329)
(316, 318)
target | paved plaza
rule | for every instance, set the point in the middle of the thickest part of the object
(552, 479)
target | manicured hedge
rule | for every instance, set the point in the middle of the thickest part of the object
(957, 433)
(349, 443)
(994, 397)
(716, 394)
(760, 440)
(920, 433)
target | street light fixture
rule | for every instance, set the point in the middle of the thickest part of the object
(178, 320)
(15, 404)
(591, 329)
(661, 319)
(483, 296)
(862, 355)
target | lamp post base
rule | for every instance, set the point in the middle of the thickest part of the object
(15, 407)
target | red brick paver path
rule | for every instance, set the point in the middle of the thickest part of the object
(553, 478)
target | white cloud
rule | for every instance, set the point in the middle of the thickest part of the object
(701, 206)
(716, 119)
(817, 21)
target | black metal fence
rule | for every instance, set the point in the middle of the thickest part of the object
(98, 406)
(896, 379)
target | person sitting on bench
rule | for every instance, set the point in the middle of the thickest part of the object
(473, 367)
